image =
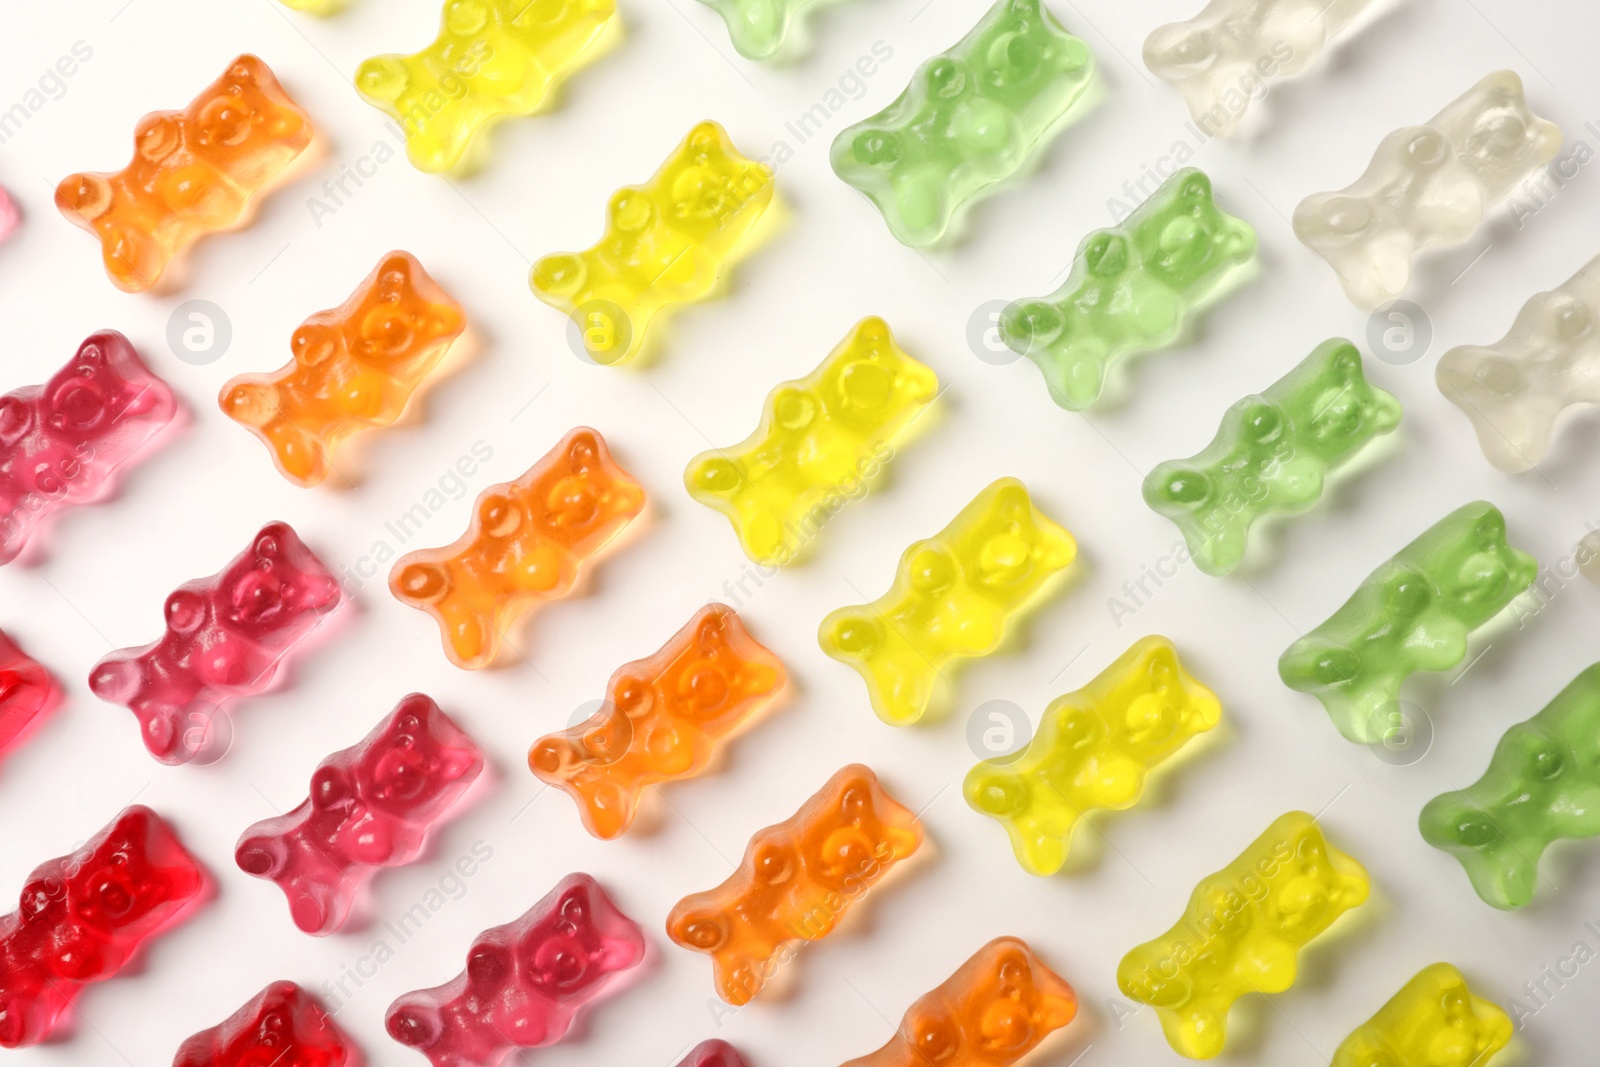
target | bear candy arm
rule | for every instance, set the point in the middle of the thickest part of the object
(1434, 1021)
(282, 1026)
(758, 27)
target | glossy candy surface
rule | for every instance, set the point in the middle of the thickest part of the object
(797, 880)
(62, 443)
(1242, 932)
(1094, 749)
(371, 806)
(952, 597)
(355, 366)
(664, 719)
(524, 981)
(194, 172)
(758, 27)
(282, 1026)
(527, 543)
(1414, 613)
(1434, 1021)
(1272, 454)
(226, 636)
(1132, 288)
(10, 215)
(821, 442)
(713, 1054)
(27, 691)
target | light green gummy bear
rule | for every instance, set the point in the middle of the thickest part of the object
(758, 27)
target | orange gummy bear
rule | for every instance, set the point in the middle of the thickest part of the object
(193, 172)
(354, 366)
(527, 542)
(664, 719)
(992, 1012)
(796, 882)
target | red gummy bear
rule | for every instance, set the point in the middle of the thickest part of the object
(370, 806)
(82, 916)
(26, 691)
(524, 981)
(61, 442)
(713, 1054)
(283, 1026)
(226, 636)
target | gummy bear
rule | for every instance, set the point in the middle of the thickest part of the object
(61, 443)
(524, 981)
(1223, 57)
(1434, 1021)
(1542, 785)
(758, 27)
(491, 59)
(527, 542)
(1093, 750)
(952, 597)
(665, 718)
(665, 243)
(821, 441)
(1427, 185)
(797, 881)
(1273, 453)
(713, 1053)
(194, 172)
(1516, 389)
(996, 1008)
(27, 691)
(317, 7)
(84, 915)
(1242, 931)
(370, 806)
(355, 366)
(226, 636)
(10, 215)
(283, 1026)
(971, 117)
(1413, 613)
(1132, 288)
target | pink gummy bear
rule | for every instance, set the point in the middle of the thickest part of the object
(26, 691)
(524, 981)
(370, 806)
(713, 1054)
(283, 1026)
(61, 442)
(10, 215)
(226, 636)
(82, 916)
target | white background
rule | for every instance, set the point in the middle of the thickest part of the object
(192, 506)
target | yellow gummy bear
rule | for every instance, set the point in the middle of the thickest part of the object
(1093, 750)
(821, 442)
(952, 596)
(1242, 931)
(492, 58)
(1434, 1021)
(664, 244)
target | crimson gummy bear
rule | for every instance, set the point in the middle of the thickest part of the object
(82, 916)
(283, 1026)
(370, 806)
(524, 981)
(26, 692)
(60, 443)
(713, 1054)
(226, 636)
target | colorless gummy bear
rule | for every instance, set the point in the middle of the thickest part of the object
(1427, 185)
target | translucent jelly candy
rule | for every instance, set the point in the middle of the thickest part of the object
(26, 691)
(758, 27)
(10, 215)
(821, 441)
(370, 806)
(713, 1054)
(796, 882)
(1542, 785)
(354, 367)
(1093, 750)
(283, 1026)
(665, 243)
(226, 636)
(1242, 931)
(524, 981)
(1427, 185)
(61, 443)
(993, 1011)
(84, 915)
(527, 543)
(1411, 614)
(971, 117)
(1434, 1021)
(194, 172)
(664, 718)
(952, 597)
(1131, 289)
(1273, 453)
(1221, 58)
